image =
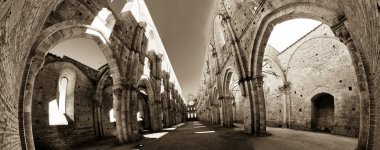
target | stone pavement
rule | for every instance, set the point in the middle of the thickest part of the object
(200, 136)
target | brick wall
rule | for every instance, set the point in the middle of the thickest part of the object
(109, 128)
(80, 96)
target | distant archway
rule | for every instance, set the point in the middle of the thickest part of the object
(143, 113)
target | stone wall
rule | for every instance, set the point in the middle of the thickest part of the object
(79, 109)
(273, 81)
(317, 63)
(246, 26)
(20, 29)
(109, 128)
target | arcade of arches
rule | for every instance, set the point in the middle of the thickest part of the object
(327, 81)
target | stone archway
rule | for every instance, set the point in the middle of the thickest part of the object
(145, 85)
(227, 99)
(102, 107)
(143, 112)
(327, 14)
(215, 107)
(322, 112)
(48, 39)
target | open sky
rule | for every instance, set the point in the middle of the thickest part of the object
(183, 26)
(83, 50)
(288, 32)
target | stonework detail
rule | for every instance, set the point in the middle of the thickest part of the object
(233, 68)
(340, 63)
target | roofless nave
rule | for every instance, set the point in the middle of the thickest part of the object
(325, 82)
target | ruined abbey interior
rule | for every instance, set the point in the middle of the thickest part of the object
(321, 92)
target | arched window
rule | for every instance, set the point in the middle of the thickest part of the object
(146, 70)
(218, 33)
(57, 109)
(112, 116)
(152, 43)
(62, 95)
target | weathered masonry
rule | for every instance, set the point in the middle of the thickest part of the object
(50, 102)
(327, 81)
(140, 81)
(312, 85)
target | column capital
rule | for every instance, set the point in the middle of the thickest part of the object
(284, 88)
(142, 25)
(341, 31)
(214, 53)
(117, 90)
(258, 79)
(226, 98)
(37, 63)
(225, 16)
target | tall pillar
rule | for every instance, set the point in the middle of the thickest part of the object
(286, 103)
(165, 108)
(155, 76)
(221, 111)
(125, 95)
(261, 100)
(215, 114)
(360, 63)
(228, 111)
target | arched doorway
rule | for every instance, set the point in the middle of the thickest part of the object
(143, 113)
(232, 105)
(322, 112)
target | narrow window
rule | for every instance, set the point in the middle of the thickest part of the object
(112, 116)
(62, 95)
(57, 109)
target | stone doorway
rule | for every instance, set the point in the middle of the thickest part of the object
(143, 115)
(322, 118)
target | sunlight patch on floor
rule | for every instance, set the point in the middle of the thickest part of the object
(205, 132)
(155, 135)
(169, 129)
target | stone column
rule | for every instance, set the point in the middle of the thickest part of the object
(286, 102)
(155, 77)
(98, 119)
(165, 108)
(214, 114)
(165, 101)
(261, 99)
(125, 94)
(171, 112)
(366, 120)
(117, 95)
(221, 110)
(229, 111)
